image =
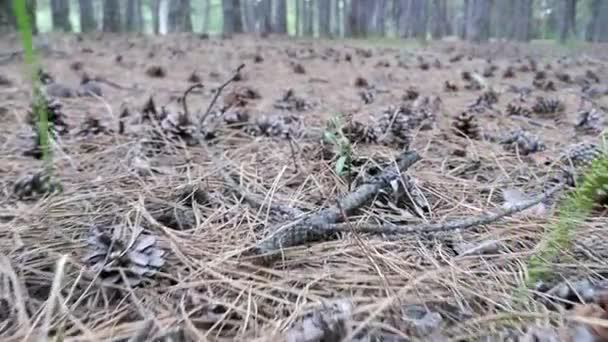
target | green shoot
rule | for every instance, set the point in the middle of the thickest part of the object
(342, 146)
(25, 32)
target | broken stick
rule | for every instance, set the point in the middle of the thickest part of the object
(315, 227)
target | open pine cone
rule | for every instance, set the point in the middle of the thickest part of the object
(516, 108)
(178, 126)
(111, 253)
(522, 142)
(356, 132)
(581, 154)
(55, 115)
(466, 125)
(589, 121)
(548, 106)
(92, 126)
(35, 185)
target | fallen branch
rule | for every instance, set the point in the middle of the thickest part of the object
(470, 222)
(219, 91)
(320, 225)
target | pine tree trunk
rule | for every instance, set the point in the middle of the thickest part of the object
(60, 15)
(250, 20)
(87, 16)
(132, 20)
(280, 16)
(163, 16)
(206, 15)
(111, 16)
(597, 28)
(380, 18)
(439, 19)
(156, 16)
(463, 23)
(567, 20)
(478, 29)
(337, 19)
(233, 22)
(402, 19)
(522, 20)
(419, 18)
(179, 16)
(308, 18)
(264, 16)
(324, 10)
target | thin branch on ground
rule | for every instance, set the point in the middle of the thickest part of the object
(315, 227)
(185, 96)
(485, 218)
(219, 91)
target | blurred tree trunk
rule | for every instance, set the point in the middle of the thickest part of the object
(231, 11)
(298, 17)
(463, 23)
(402, 13)
(346, 16)
(206, 15)
(163, 16)
(503, 19)
(134, 19)
(360, 17)
(567, 19)
(419, 18)
(478, 29)
(597, 28)
(324, 10)
(87, 16)
(179, 16)
(336, 18)
(308, 18)
(111, 16)
(280, 16)
(60, 15)
(522, 20)
(156, 16)
(439, 19)
(264, 16)
(249, 15)
(380, 18)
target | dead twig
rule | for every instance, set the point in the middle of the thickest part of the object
(219, 91)
(185, 96)
(470, 222)
(315, 227)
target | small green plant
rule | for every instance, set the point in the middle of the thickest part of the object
(591, 190)
(342, 146)
(39, 104)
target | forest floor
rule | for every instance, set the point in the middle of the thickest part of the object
(171, 226)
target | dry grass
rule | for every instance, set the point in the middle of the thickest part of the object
(209, 287)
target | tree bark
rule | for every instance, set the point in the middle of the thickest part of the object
(179, 16)
(336, 18)
(233, 21)
(567, 20)
(419, 18)
(522, 20)
(402, 12)
(478, 30)
(360, 17)
(264, 16)
(280, 16)
(463, 22)
(111, 16)
(308, 18)
(60, 15)
(597, 28)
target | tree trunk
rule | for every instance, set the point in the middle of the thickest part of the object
(233, 22)
(439, 19)
(478, 29)
(280, 16)
(133, 20)
(402, 19)
(264, 16)
(567, 20)
(336, 18)
(156, 16)
(360, 17)
(324, 10)
(380, 18)
(111, 16)
(206, 15)
(522, 20)
(163, 16)
(179, 16)
(60, 15)
(597, 28)
(418, 18)
(308, 18)
(250, 22)
(87, 16)
(463, 21)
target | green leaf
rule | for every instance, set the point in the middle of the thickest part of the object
(340, 164)
(330, 137)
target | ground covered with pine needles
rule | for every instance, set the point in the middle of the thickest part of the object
(146, 225)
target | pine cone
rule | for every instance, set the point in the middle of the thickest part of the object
(515, 108)
(581, 154)
(56, 118)
(367, 96)
(466, 125)
(178, 126)
(149, 111)
(34, 186)
(291, 102)
(450, 86)
(91, 126)
(275, 126)
(485, 100)
(236, 117)
(357, 132)
(411, 94)
(111, 254)
(540, 75)
(509, 72)
(548, 106)
(394, 125)
(522, 143)
(589, 121)
(564, 77)
(543, 84)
